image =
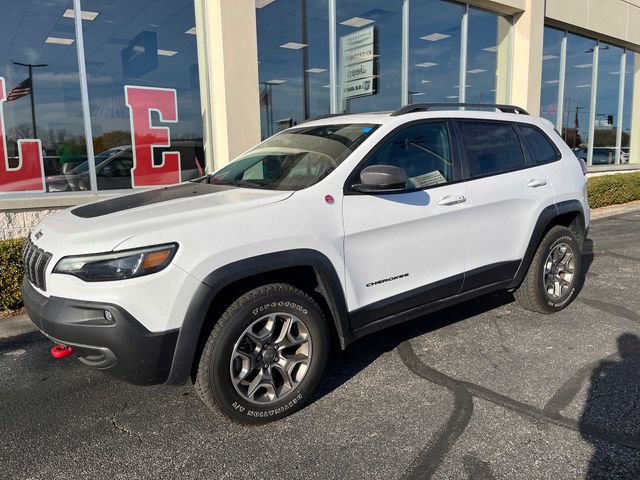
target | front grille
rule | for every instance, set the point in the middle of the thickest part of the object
(35, 264)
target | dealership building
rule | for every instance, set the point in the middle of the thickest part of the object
(98, 98)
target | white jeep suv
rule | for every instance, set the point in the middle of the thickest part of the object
(336, 228)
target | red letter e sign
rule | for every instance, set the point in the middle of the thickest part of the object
(145, 137)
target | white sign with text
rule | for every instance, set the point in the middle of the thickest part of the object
(357, 54)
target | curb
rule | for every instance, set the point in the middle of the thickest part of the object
(612, 210)
(15, 326)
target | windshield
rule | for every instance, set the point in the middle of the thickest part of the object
(294, 159)
(101, 157)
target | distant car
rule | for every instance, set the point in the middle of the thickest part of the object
(113, 167)
(604, 155)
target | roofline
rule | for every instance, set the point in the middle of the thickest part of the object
(423, 107)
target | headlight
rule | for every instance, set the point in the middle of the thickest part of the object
(104, 267)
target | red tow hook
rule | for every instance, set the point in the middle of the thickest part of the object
(61, 351)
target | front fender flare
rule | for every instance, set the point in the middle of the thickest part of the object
(213, 284)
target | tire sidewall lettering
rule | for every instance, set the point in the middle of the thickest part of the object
(253, 412)
(280, 304)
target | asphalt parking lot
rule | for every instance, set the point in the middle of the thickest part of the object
(484, 390)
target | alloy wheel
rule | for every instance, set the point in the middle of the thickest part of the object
(271, 358)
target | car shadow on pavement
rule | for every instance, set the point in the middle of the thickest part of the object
(344, 365)
(612, 400)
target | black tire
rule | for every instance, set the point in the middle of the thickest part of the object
(214, 383)
(532, 293)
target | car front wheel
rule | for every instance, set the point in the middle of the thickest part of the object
(265, 355)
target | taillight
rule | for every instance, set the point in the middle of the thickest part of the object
(583, 165)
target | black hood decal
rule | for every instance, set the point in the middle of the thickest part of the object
(135, 200)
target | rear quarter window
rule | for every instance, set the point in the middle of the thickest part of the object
(491, 147)
(537, 145)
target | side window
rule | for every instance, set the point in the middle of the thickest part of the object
(539, 148)
(423, 150)
(491, 147)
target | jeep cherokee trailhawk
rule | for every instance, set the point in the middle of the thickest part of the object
(335, 228)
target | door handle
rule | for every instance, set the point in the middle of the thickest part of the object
(535, 183)
(452, 200)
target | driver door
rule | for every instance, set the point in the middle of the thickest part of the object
(407, 248)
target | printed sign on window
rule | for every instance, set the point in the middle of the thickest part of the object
(358, 63)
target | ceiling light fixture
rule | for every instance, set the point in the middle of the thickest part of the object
(426, 64)
(59, 41)
(491, 49)
(276, 81)
(316, 70)
(293, 45)
(357, 22)
(476, 70)
(263, 3)
(166, 53)
(434, 37)
(84, 14)
(191, 31)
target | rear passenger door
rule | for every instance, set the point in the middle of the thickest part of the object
(507, 196)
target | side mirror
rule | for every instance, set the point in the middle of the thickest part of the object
(382, 178)
(106, 171)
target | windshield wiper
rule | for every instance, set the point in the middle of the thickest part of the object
(201, 178)
(246, 183)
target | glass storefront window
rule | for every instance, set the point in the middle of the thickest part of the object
(434, 51)
(611, 95)
(293, 55)
(149, 46)
(627, 105)
(294, 51)
(577, 93)
(385, 16)
(488, 57)
(607, 95)
(551, 53)
(39, 69)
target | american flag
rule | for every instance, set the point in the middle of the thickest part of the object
(20, 90)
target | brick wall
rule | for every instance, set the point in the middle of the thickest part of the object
(18, 223)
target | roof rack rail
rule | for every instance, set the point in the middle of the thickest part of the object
(423, 107)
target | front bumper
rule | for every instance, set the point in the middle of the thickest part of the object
(120, 344)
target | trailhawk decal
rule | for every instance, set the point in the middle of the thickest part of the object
(385, 280)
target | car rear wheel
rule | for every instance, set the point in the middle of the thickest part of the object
(265, 355)
(552, 280)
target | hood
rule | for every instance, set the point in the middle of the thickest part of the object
(101, 226)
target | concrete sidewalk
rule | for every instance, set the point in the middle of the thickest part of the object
(14, 326)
